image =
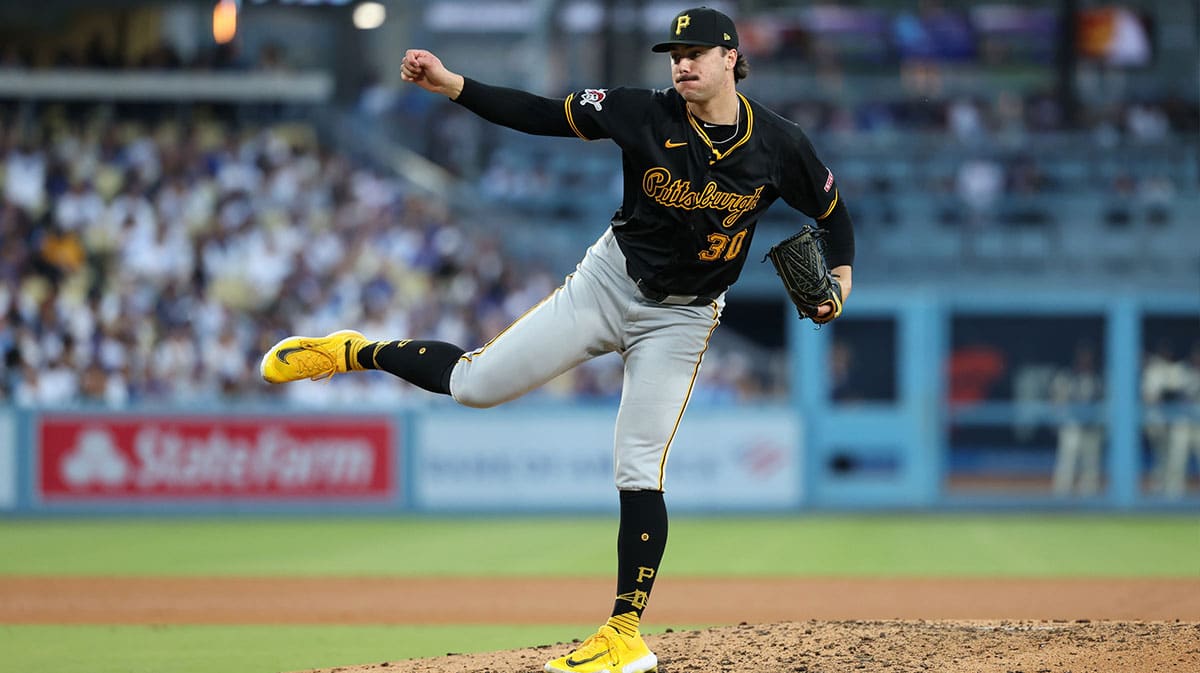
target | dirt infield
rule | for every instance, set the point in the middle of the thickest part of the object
(787, 625)
(878, 647)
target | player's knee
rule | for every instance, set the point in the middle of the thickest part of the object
(481, 388)
(476, 402)
(474, 398)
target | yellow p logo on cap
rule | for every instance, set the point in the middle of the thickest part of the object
(682, 22)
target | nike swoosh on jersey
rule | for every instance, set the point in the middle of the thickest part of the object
(572, 662)
(283, 353)
(671, 144)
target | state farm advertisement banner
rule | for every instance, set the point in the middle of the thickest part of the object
(99, 458)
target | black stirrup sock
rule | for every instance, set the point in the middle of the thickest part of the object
(641, 541)
(426, 364)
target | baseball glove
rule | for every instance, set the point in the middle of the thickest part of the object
(800, 262)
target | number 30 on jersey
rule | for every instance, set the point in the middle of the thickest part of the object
(723, 247)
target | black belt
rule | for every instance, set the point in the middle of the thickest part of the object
(674, 299)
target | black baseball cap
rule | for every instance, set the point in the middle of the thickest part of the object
(702, 27)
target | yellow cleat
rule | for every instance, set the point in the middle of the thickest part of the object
(314, 358)
(607, 652)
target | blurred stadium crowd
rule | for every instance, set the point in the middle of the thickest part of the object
(147, 263)
(152, 259)
(156, 262)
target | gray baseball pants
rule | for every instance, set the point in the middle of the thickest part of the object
(598, 310)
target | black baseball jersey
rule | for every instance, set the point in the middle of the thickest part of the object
(689, 208)
(690, 205)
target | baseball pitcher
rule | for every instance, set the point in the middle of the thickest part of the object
(701, 164)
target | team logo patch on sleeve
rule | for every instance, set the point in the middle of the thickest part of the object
(593, 97)
(828, 181)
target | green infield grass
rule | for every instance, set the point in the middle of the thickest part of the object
(250, 649)
(883, 545)
(1026, 545)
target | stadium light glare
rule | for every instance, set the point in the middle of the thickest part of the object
(369, 15)
(224, 21)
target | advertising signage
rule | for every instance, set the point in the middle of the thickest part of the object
(137, 458)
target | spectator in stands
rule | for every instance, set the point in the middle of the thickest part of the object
(980, 184)
(60, 252)
(25, 176)
(965, 120)
(79, 206)
(1146, 123)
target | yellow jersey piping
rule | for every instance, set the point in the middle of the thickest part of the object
(831, 205)
(741, 141)
(570, 117)
(662, 464)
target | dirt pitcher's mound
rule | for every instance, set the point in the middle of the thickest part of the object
(878, 647)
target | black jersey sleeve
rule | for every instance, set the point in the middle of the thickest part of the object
(807, 185)
(839, 236)
(618, 113)
(516, 109)
(804, 182)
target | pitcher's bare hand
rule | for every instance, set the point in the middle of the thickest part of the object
(425, 70)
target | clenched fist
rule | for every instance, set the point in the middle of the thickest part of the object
(425, 70)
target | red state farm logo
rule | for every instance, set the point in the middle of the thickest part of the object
(95, 460)
(215, 457)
